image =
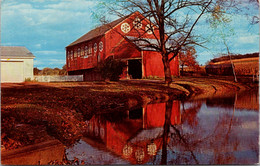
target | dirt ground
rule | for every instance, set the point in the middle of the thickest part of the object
(33, 112)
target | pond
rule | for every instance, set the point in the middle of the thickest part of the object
(217, 130)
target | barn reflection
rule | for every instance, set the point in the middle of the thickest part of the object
(138, 136)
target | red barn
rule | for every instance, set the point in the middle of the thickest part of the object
(116, 39)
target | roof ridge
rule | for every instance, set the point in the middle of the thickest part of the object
(13, 46)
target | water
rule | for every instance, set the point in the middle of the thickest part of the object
(217, 130)
(222, 130)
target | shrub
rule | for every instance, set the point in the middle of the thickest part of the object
(27, 79)
(111, 69)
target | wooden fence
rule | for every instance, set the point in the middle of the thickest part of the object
(72, 78)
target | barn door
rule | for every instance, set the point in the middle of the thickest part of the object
(12, 71)
(135, 68)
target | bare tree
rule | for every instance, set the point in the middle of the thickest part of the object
(188, 58)
(254, 18)
(220, 23)
(172, 23)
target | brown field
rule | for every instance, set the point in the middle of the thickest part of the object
(254, 59)
(245, 66)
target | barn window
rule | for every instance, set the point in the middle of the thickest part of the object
(95, 47)
(68, 63)
(100, 46)
(75, 54)
(125, 27)
(86, 50)
(149, 29)
(71, 54)
(137, 23)
(90, 49)
(82, 52)
(78, 52)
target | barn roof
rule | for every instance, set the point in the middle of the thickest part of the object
(15, 52)
(99, 31)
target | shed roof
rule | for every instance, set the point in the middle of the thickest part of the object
(15, 52)
(99, 31)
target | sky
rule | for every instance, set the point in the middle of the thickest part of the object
(46, 27)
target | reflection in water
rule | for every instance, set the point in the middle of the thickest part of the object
(191, 132)
(219, 135)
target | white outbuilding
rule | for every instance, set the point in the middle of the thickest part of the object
(16, 64)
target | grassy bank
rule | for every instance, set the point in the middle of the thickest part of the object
(36, 112)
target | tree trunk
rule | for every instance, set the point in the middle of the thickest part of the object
(167, 70)
(165, 58)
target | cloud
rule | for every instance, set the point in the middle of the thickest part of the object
(52, 63)
(38, 46)
(79, 5)
(48, 52)
(251, 125)
(204, 55)
(248, 39)
(37, 62)
(53, 13)
(57, 61)
(46, 25)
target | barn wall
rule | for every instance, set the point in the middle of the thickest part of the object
(28, 68)
(88, 74)
(153, 65)
(126, 50)
(114, 37)
(175, 66)
(85, 59)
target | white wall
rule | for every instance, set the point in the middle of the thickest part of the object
(28, 68)
(11, 70)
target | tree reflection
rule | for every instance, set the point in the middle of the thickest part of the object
(189, 115)
(166, 130)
